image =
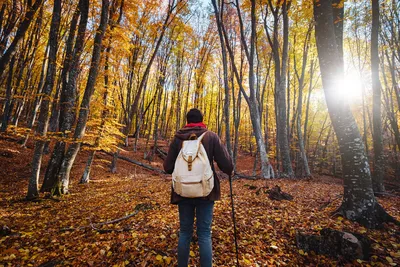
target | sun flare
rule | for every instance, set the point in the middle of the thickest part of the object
(350, 88)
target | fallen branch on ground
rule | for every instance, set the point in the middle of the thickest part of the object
(138, 163)
(243, 176)
(95, 226)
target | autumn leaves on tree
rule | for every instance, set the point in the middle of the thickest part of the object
(102, 75)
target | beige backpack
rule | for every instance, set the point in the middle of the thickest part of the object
(193, 176)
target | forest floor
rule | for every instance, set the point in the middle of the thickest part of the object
(42, 233)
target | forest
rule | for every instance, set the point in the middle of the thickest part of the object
(304, 95)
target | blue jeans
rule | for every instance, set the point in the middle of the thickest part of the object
(204, 213)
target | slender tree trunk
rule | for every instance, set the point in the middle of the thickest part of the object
(160, 88)
(377, 177)
(226, 82)
(44, 108)
(255, 116)
(303, 154)
(281, 62)
(9, 94)
(23, 27)
(305, 131)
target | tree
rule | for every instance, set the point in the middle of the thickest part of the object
(22, 28)
(69, 76)
(226, 82)
(359, 203)
(44, 108)
(73, 149)
(281, 65)
(251, 99)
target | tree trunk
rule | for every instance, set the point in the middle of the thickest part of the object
(226, 82)
(68, 94)
(281, 62)
(266, 168)
(73, 149)
(303, 154)
(23, 27)
(9, 93)
(377, 177)
(38, 98)
(44, 108)
(359, 203)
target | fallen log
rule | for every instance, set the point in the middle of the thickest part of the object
(247, 177)
(336, 244)
(138, 163)
(161, 153)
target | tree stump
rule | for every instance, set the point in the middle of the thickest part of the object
(336, 244)
(277, 194)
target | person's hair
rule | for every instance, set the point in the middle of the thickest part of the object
(194, 115)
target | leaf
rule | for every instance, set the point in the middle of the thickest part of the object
(191, 254)
(247, 262)
(159, 257)
(389, 259)
(363, 231)
(167, 259)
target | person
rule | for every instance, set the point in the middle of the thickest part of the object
(201, 208)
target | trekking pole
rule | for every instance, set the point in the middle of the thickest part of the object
(234, 222)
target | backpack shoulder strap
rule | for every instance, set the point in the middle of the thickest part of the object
(201, 136)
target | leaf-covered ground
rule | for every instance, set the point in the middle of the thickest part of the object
(65, 231)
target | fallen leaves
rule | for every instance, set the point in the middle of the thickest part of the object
(266, 228)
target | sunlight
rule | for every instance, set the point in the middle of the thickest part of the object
(350, 88)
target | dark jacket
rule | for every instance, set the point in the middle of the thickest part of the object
(215, 150)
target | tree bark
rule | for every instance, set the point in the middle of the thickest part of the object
(378, 173)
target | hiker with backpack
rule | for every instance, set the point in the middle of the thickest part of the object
(195, 185)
